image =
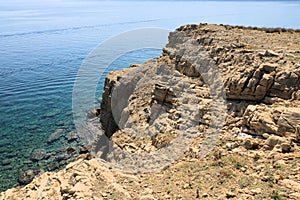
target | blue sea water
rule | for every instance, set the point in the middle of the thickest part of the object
(43, 43)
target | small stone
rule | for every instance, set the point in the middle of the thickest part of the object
(79, 187)
(266, 178)
(265, 135)
(70, 150)
(243, 136)
(148, 191)
(231, 146)
(269, 67)
(134, 65)
(104, 194)
(256, 191)
(250, 144)
(65, 196)
(280, 162)
(83, 150)
(271, 53)
(272, 141)
(186, 186)
(243, 169)
(230, 195)
(277, 148)
(221, 197)
(285, 147)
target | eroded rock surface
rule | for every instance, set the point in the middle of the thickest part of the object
(223, 101)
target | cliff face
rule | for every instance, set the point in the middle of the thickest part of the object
(218, 114)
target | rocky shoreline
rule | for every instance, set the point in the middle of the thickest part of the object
(222, 105)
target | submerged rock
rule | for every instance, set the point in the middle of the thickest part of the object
(72, 136)
(5, 162)
(26, 176)
(38, 154)
(55, 135)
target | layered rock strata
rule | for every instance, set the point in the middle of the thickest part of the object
(254, 72)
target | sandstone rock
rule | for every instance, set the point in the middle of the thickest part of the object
(250, 144)
(231, 146)
(273, 140)
(163, 95)
(259, 119)
(265, 135)
(286, 147)
(285, 83)
(273, 119)
(271, 53)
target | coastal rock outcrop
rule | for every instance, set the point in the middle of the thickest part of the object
(259, 81)
(220, 109)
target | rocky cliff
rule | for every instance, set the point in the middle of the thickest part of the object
(217, 116)
(257, 70)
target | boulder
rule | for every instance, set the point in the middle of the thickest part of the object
(271, 119)
(26, 177)
(281, 144)
(38, 154)
(55, 135)
(72, 136)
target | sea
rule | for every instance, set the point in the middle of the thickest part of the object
(44, 43)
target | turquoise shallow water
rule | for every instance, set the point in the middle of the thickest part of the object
(42, 46)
